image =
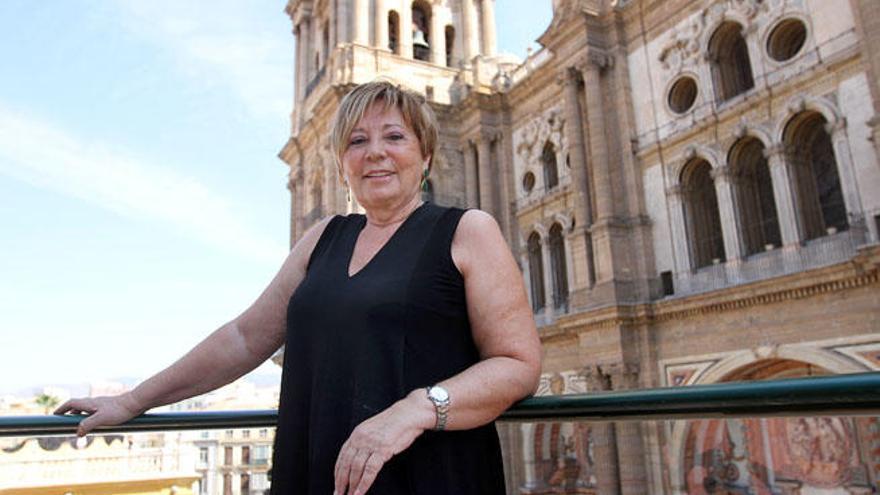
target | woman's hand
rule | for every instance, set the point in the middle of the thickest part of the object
(102, 411)
(376, 440)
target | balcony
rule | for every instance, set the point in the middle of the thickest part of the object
(697, 437)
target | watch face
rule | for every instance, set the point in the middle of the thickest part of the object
(439, 393)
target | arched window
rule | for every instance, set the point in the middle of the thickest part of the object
(551, 172)
(754, 194)
(428, 192)
(701, 214)
(450, 44)
(393, 32)
(731, 66)
(421, 25)
(558, 266)
(536, 272)
(820, 198)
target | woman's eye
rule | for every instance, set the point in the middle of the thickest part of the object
(395, 137)
(355, 141)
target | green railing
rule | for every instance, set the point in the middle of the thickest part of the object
(852, 394)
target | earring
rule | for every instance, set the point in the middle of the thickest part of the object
(424, 185)
(347, 191)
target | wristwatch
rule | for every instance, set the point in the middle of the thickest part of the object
(440, 398)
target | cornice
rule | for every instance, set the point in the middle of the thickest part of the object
(862, 270)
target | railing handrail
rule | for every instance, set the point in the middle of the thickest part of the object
(848, 394)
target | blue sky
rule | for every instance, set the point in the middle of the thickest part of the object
(141, 200)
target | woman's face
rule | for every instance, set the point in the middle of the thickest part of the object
(382, 161)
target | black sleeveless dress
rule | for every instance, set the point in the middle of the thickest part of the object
(355, 345)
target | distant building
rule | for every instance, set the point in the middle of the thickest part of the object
(692, 190)
(97, 465)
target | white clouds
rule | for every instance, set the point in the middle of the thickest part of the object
(48, 157)
(222, 42)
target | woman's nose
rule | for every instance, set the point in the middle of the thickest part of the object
(375, 149)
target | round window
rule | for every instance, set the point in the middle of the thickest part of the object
(683, 94)
(528, 181)
(786, 39)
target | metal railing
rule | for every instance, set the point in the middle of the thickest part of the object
(851, 394)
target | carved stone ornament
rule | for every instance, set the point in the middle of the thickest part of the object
(683, 45)
(682, 49)
(530, 139)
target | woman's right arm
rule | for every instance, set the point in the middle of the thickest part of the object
(228, 353)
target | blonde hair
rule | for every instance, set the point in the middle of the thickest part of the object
(416, 112)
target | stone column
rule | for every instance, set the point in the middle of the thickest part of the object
(406, 31)
(730, 228)
(470, 39)
(487, 37)
(306, 37)
(604, 440)
(362, 22)
(583, 264)
(343, 29)
(380, 26)
(846, 171)
(579, 240)
(678, 225)
(487, 180)
(549, 292)
(504, 193)
(595, 65)
(785, 195)
(299, 32)
(437, 39)
(630, 451)
(471, 184)
(291, 186)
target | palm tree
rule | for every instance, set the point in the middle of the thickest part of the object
(47, 401)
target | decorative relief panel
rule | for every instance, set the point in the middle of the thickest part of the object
(565, 382)
(529, 141)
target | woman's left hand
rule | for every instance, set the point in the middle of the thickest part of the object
(376, 440)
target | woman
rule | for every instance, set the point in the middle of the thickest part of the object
(407, 329)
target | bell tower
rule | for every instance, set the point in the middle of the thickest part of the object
(444, 49)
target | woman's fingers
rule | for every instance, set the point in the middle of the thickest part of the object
(357, 468)
(370, 471)
(343, 466)
(88, 424)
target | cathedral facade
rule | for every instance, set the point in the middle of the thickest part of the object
(692, 191)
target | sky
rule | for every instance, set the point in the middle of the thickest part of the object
(142, 202)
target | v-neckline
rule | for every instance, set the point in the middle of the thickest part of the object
(347, 268)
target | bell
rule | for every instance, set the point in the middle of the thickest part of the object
(419, 39)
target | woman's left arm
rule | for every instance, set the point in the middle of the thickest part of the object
(502, 325)
(509, 368)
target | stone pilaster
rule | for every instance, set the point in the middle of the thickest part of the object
(487, 179)
(730, 225)
(471, 184)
